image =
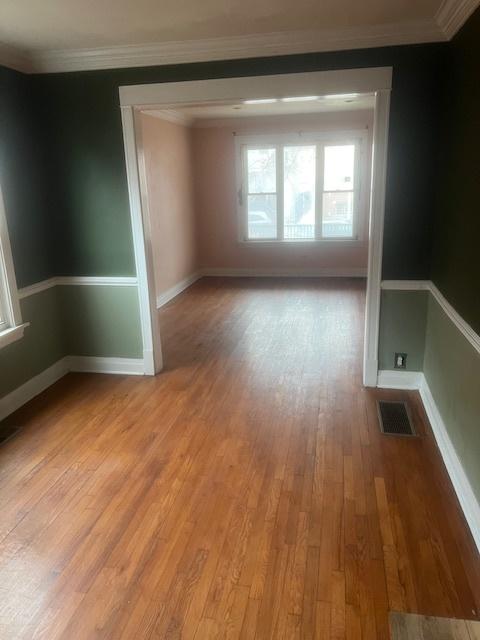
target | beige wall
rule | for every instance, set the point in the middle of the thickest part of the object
(215, 198)
(169, 167)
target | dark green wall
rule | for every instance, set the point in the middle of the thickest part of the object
(91, 217)
(456, 255)
(23, 180)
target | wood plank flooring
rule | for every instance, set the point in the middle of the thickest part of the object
(244, 493)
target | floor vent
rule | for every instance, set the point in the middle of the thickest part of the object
(7, 432)
(394, 418)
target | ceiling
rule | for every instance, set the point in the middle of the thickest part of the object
(201, 114)
(57, 35)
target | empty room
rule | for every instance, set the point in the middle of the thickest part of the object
(239, 320)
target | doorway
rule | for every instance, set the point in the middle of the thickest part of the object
(294, 212)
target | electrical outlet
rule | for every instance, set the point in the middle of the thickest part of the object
(400, 361)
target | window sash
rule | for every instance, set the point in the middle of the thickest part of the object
(279, 147)
(10, 316)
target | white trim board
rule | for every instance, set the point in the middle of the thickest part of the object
(375, 247)
(405, 285)
(452, 15)
(393, 379)
(465, 329)
(458, 477)
(174, 291)
(168, 95)
(325, 272)
(417, 381)
(110, 281)
(23, 394)
(427, 285)
(92, 364)
(142, 239)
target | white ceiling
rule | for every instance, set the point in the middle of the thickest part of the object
(202, 113)
(71, 24)
(99, 33)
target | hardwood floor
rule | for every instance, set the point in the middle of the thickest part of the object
(245, 493)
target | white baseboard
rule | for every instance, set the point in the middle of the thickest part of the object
(171, 293)
(399, 379)
(463, 489)
(458, 477)
(89, 364)
(323, 272)
(21, 395)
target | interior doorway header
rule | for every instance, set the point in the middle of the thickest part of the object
(367, 80)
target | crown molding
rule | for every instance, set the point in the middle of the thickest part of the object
(237, 47)
(450, 17)
(453, 14)
(14, 58)
(170, 115)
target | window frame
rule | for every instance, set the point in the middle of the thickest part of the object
(12, 329)
(357, 137)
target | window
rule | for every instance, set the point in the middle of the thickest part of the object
(11, 327)
(304, 187)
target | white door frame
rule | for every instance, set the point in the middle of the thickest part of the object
(136, 98)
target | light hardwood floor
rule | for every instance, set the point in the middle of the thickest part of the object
(244, 493)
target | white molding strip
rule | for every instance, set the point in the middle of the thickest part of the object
(21, 395)
(375, 248)
(110, 281)
(405, 285)
(452, 15)
(36, 288)
(466, 330)
(325, 272)
(90, 364)
(463, 489)
(465, 494)
(174, 291)
(392, 379)
(427, 285)
(238, 47)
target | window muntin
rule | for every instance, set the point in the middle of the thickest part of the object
(261, 167)
(299, 175)
(310, 189)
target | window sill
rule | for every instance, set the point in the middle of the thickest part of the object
(12, 334)
(355, 242)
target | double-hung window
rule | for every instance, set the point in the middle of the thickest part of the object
(11, 327)
(301, 187)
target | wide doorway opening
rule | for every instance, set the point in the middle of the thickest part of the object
(277, 186)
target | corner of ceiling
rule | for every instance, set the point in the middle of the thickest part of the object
(452, 15)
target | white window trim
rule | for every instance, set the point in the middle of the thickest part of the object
(358, 137)
(8, 285)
